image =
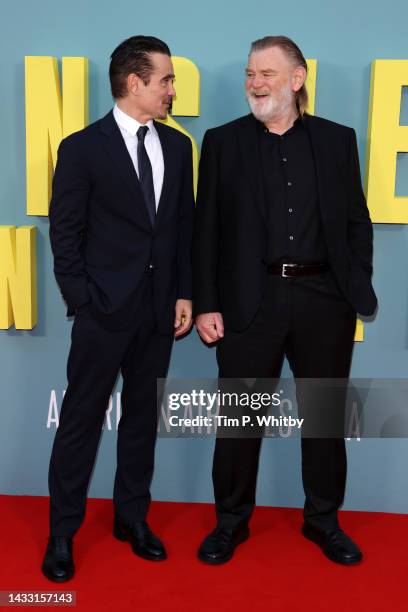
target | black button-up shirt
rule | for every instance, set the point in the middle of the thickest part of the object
(289, 175)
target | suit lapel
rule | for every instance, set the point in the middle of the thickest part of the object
(117, 150)
(169, 168)
(250, 154)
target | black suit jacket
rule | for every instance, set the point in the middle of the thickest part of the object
(100, 232)
(231, 227)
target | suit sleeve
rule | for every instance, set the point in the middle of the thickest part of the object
(185, 234)
(360, 231)
(68, 213)
(206, 233)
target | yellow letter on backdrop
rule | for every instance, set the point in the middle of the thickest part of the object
(386, 138)
(311, 84)
(18, 283)
(49, 118)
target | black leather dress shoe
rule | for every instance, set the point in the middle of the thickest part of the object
(335, 544)
(219, 546)
(144, 543)
(58, 564)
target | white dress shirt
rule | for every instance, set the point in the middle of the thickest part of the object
(128, 127)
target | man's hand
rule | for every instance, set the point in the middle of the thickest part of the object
(210, 326)
(183, 318)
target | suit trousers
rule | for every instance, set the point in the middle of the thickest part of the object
(95, 359)
(309, 321)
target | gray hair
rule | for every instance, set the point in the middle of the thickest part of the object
(290, 48)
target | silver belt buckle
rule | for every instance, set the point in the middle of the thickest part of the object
(284, 268)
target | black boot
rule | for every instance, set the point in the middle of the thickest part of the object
(58, 564)
(219, 546)
(144, 543)
(335, 544)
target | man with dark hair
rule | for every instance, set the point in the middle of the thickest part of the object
(120, 228)
(133, 56)
(282, 261)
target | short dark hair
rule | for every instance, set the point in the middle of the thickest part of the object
(132, 56)
(293, 52)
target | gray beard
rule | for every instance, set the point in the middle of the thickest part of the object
(274, 107)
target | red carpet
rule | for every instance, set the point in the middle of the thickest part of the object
(276, 569)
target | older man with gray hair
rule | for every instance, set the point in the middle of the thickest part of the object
(282, 250)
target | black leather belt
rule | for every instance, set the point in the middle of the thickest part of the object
(289, 270)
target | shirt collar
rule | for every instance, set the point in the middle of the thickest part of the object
(128, 123)
(297, 124)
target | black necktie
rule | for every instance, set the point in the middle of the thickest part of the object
(145, 173)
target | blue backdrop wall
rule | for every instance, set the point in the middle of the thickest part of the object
(344, 37)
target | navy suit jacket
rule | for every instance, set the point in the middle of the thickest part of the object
(101, 235)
